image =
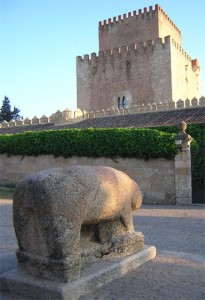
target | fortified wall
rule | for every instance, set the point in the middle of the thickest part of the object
(141, 61)
(74, 118)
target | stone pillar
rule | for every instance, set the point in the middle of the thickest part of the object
(183, 179)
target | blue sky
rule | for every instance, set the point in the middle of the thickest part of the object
(40, 40)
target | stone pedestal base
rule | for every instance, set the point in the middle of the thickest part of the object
(93, 275)
(183, 181)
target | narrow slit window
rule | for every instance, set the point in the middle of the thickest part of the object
(124, 102)
(119, 104)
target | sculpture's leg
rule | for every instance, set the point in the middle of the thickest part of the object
(53, 250)
(118, 236)
(127, 220)
(65, 253)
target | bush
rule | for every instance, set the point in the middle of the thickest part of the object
(197, 131)
(120, 142)
(112, 143)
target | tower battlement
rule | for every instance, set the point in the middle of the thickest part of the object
(180, 50)
(129, 15)
(159, 9)
(194, 62)
(140, 14)
(139, 48)
(135, 27)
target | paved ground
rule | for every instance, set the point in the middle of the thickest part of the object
(178, 272)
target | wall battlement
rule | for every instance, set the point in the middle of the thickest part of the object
(157, 7)
(68, 116)
(194, 62)
(132, 49)
(180, 50)
(123, 17)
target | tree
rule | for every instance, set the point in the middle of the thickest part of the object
(6, 113)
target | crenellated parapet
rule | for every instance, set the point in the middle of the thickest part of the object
(159, 9)
(136, 26)
(135, 14)
(195, 62)
(141, 14)
(129, 50)
(138, 48)
(68, 116)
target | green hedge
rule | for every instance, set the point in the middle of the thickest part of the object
(197, 131)
(120, 142)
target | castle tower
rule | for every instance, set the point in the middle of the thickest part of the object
(141, 61)
(134, 28)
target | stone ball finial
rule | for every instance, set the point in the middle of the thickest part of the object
(182, 126)
(182, 139)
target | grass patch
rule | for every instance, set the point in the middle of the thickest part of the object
(6, 192)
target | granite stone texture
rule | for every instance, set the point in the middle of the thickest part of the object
(93, 276)
(63, 214)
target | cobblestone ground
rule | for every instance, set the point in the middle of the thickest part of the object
(163, 278)
(173, 228)
(7, 236)
(178, 272)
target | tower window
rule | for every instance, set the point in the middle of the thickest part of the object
(124, 102)
(119, 104)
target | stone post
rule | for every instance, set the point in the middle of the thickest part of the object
(183, 180)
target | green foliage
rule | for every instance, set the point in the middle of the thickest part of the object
(197, 131)
(198, 153)
(6, 113)
(120, 142)
(6, 191)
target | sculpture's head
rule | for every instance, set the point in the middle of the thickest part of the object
(136, 197)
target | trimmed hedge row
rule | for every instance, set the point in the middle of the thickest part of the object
(120, 142)
(112, 143)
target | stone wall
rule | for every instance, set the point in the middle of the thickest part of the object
(149, 72)
(186, 80)
(135, 72)
(156, 178)
(166, 26)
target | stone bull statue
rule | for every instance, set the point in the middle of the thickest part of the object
(59, 212)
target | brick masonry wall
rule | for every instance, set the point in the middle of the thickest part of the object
(156, 178)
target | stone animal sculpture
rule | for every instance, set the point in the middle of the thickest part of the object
(58, 209)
